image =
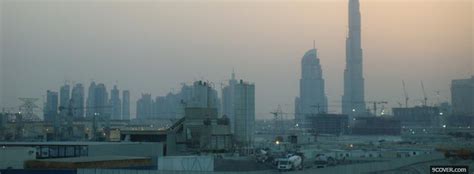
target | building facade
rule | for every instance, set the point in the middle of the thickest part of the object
(64, 99)
(312, 99)
(77, 99)
(116, 104)
(244, 113)
(328, 123)
(228, 97)
(51, 107)
(126, 105)
(145, 107)
(462, 96)
(353, 100)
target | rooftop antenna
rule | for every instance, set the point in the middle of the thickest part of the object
(314, 44)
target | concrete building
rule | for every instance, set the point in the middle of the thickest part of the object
(198, 131)
(51, 107)
(145, 107)
(244, 113)
(90, 103)
(126, 105)
(353, 102)
(312, 99)
(64, 98)
(203, 96)
(101, 99)
(77, 98)
(170, 106)
(376, 126)
(200, 94)
(116, 104)
(328, 123)
(424, 116)
(228, 101)
(462, 96)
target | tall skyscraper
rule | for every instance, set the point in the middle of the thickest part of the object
(116, 104)
(126, 105)
(51, 107)
(64, 95)
(244, 113)
(228, 94)
(312, 97)
(353, 102)
(91, 100)
(77, 98)
(203, 96)
(101, 100)
(64, 98)
(145, 107)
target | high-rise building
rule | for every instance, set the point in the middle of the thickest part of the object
(228, 94)
(97, 100)
(203, 96)
(116, 104)
(64, 95)
(462, 96)
(145, 107)
(353, 102)
(64, 99)
(244, 113)
(91, 100)
(77, 98)
(101, 103)
(312, 99)
(51, 107)
(126, 105)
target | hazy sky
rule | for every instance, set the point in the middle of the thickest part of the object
(153, 46)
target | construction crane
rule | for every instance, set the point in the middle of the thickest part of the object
(375, 103)
(278, 121)
(406, 94)
(425, 98)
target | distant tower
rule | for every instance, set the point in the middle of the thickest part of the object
(228, 94)
(116, 103)
(312, 99)
(126, 105)
(353, 102)
(101, 97)
(51, 106)
(91, 100)
(77, 97)
(64, 97)
(145, 107)
(244, 113)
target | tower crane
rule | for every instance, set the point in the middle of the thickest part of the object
(406, 94)
(425, 98)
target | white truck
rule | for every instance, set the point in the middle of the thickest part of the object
(293, 162)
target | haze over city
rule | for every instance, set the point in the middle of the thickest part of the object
(154, 46)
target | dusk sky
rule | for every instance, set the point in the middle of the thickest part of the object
(154, 46)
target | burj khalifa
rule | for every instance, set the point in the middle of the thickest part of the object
(353, 102)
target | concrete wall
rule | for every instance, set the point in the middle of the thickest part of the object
(153, 150)
(14, 157)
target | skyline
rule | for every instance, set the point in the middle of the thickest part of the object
(278, 55)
